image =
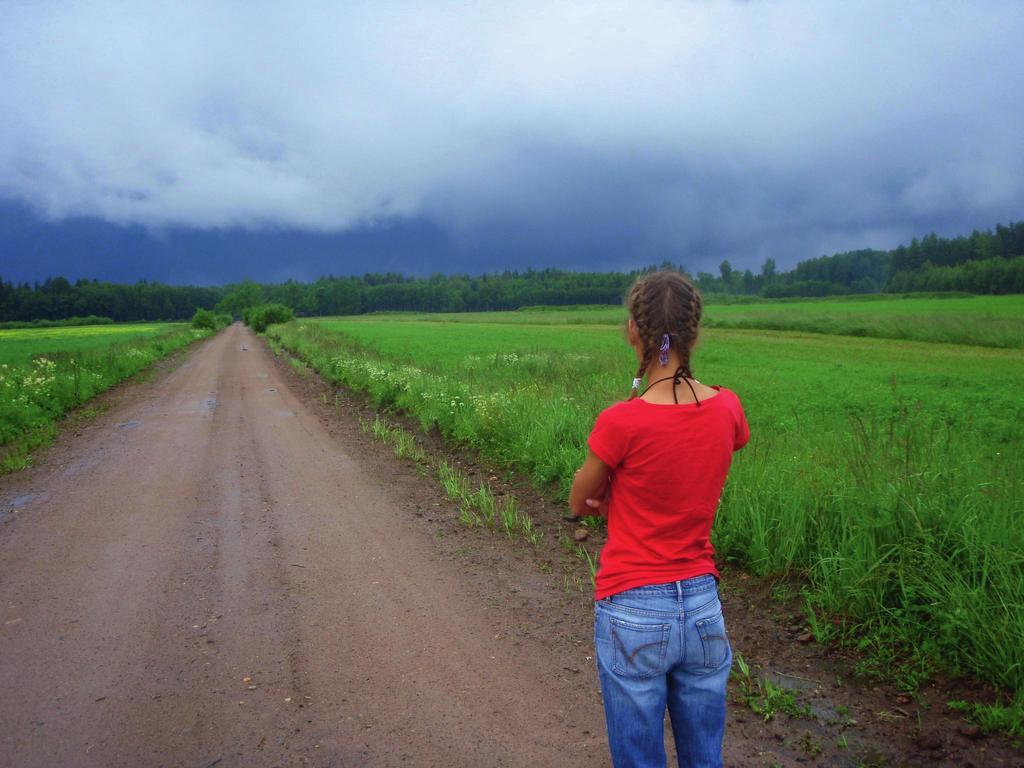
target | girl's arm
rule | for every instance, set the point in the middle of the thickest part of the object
(589, 484)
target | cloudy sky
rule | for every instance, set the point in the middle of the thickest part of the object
(436, 136)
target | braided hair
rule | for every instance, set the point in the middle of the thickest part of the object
(665, 303)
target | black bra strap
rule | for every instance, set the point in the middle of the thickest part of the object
(675, 383)
(677, 377)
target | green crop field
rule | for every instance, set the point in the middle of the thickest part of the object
(990, 321)
(886, 475)
(46, 371)
(22, 344)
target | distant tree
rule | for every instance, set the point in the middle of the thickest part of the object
(246, 294)
(708, 283)
(748, 282)
(264, 315)
(725, 270)
(204, 319)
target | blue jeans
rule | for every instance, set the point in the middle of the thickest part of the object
(663, 646)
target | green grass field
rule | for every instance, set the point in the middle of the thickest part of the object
(990, 321)
(46, 371)
(22, 344)
(887, 474)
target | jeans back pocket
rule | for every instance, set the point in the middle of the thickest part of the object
(639, 650)
(714, 641)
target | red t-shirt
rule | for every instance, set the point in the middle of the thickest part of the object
(668, 464)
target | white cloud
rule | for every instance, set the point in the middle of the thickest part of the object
(760, 116)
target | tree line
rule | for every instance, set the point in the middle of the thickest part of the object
(983, 262)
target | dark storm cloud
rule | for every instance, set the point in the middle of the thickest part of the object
(597, 135)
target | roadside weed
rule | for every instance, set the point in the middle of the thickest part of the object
(584, 554)
(476, 508)
(994, 718)
(764, 697)
(454, 482)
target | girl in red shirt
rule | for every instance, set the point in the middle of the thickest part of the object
(656, 466)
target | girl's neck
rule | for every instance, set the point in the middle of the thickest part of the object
(655, 370)
(662, 389)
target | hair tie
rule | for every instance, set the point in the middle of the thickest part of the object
(665, 344)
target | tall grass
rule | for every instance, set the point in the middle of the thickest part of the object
(887, 474)
(910, 545)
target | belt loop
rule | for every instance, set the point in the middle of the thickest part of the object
(679, 591)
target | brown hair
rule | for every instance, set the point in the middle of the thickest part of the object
(662, 303)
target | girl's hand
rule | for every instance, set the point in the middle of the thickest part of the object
(600, 506)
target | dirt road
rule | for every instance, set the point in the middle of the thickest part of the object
(207, 577)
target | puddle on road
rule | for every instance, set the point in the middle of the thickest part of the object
(284, 412)
(132, 424)
(20, 501)
(208, 405)
(9, 508)
(272, 391)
